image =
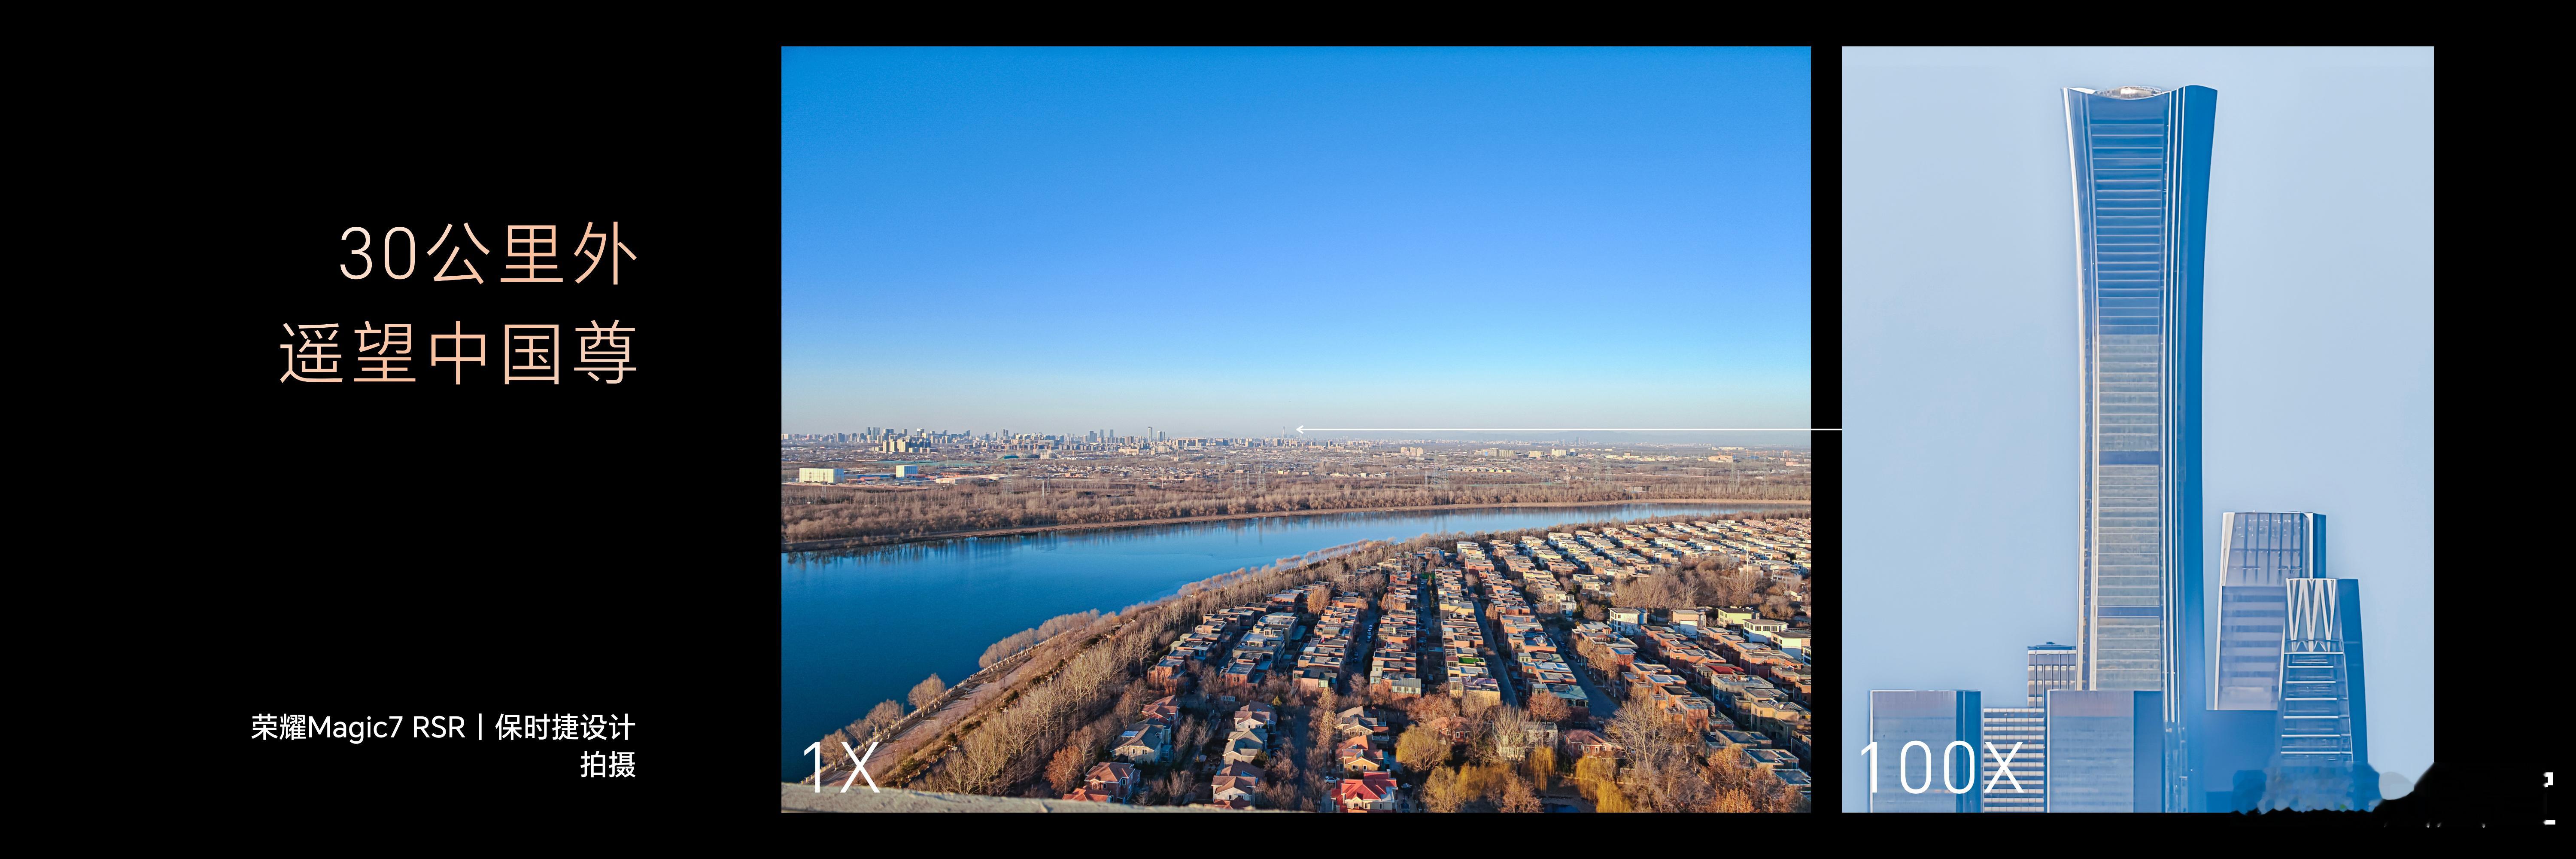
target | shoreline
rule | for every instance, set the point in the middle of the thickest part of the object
(858, 542)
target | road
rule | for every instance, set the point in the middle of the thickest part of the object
(1603, 708)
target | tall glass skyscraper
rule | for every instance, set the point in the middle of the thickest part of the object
(2257, 554)
(2324, 726)
(2140, 166)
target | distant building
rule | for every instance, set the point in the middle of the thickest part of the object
(1923, 737)
(1409, 451)
(2021, 734)
(907, 471)
(818, 475)
(2324, 735)
(2105, 751)
(2257, 554)
(2052, 666)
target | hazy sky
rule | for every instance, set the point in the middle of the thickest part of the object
(1959, 350)
(1232, 241)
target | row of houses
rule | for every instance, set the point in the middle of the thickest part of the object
(1327, 657)
(1465, 660)
(1394, 664)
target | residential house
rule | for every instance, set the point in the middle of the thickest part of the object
(1371, 792)
(1358, 755)
(1143, 742)
(1107, 782)
(1589, 743)
(1234, 785)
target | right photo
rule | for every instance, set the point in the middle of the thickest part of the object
(2138, 379)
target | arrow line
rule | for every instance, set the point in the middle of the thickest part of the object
(1570, 429)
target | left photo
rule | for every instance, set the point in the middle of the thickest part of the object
(1298, 431)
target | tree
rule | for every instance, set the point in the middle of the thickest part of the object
(1065, 772)
(879, 717)
(927, 692)
(1510, 728)
(1318, 599)
(1592, 611)
(833, 753)
(1611, 800)
(1549, 708)
(1443, 792)
(1517, 797)
(1542, 766)
(1421, 749)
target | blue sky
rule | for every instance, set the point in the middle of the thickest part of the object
(1230, 241)
(1959, 351)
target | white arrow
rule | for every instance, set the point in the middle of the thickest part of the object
(1570, 429)
(860, 769)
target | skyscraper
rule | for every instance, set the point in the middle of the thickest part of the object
(1928, 740)
(2257, 553)
(2139, 160)
(2325, 735)
(2105, 751)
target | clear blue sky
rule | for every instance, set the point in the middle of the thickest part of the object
(1231, 241)
(1959, 351)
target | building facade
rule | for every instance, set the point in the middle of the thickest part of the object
(2140, 168)
(2105, 751)
(1928, 739)
(2322, 710)
(2052, 666)
(818, 475)
(2018, 738)
(2257, 554)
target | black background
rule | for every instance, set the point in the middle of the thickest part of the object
(377, 549)
(358, 550)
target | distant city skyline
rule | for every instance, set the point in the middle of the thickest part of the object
(2316, 350)
(1792, 440)
(1238, 240)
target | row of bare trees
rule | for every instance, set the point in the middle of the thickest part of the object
(1024, 639)
(807, 513)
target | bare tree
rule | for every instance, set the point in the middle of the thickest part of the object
(1066, 771)
(1421, 749)
(1517, 797)
(927, 692)
(1546, 707)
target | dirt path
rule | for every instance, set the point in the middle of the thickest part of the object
(849, 542)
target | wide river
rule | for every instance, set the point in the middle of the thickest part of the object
(856, 629)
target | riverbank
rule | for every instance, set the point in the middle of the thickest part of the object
(885, 540)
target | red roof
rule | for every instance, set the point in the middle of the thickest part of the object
(1371, 787)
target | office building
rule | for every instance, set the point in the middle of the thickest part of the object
(2233, 743)
(2324, 729)
(902, 471)
(2016, 739)
(1928, 740)
(2257, 554)
(2052, 666)
(2140, 166)
(818, 475)
(2105, 751)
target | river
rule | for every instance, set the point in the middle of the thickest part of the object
(864, 627)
